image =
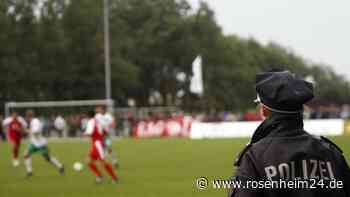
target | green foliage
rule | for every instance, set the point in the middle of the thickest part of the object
(56, 52)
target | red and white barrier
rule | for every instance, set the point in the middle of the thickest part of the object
(185, 127)
(174, 127)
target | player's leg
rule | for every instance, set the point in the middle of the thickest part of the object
(108, 142)
(109, 168)
(93, 156)
(15, 142)
(28, 159)
(15, 153)
(52, 160)
(114, 157)
(101, 156)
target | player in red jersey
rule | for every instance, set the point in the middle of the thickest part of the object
(97, 150)
(107, 122)
(15, 126)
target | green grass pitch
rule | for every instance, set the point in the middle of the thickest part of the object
(149, 168)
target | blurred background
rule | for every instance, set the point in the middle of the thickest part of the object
(164, 69)
(167, 58)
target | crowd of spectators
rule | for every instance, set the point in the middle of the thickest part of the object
(328, 112)
(331, 111)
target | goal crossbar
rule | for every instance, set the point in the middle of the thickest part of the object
(75, 103)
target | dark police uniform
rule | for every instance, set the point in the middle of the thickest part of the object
(280, 149)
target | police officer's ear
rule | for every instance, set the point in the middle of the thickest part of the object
(264, 111)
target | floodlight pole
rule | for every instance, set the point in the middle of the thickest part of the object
(107, 50)
(107, 53)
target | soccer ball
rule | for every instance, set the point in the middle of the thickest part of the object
(77, 166)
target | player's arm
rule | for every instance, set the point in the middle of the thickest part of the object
(89, 129)
(111, 121)
(23, 122)
(105, 132)
(6, 122)
(27, 130)
(24, 125)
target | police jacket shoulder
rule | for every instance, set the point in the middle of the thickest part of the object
(284, 148)
(252, 149)
(331, 145)
(291, 143)
(249, 161)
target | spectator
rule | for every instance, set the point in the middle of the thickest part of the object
(60, 126)
(2, 132)
(345, 112)
(252, 116)
(307, 112)
(84, 121)
(334, 111)
(74, 125)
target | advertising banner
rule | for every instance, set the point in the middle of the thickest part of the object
(329, 127)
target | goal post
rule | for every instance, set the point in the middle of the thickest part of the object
(52, 104)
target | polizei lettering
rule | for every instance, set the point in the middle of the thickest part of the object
(304, 169)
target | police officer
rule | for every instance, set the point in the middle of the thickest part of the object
(280, 149)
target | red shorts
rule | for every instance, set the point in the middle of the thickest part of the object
(97, 151)
(14, 137)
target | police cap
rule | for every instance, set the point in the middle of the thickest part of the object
(282, 92)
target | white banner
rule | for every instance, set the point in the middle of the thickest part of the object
(199, 130)
(328, 127)
(196, 85)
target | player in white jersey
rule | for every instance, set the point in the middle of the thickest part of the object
(106, 120)
(38, 144)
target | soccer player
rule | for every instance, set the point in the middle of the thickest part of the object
(107, 122)
(38, 144)
(2, 132)
(15, 126)
(97, 153)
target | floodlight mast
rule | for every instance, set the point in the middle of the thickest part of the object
(108, 82)
(107, 50)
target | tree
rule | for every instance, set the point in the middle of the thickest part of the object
(55, 51)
